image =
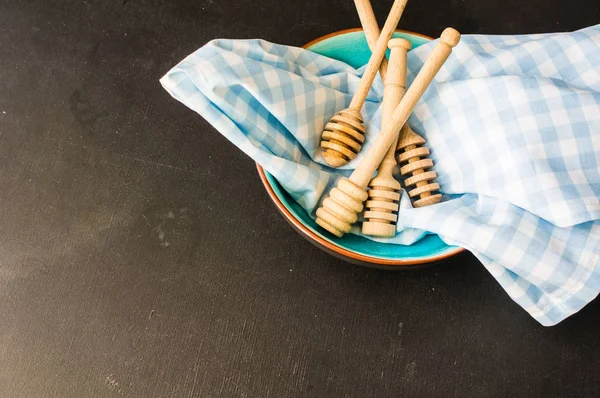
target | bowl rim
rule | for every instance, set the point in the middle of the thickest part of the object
(319, 241)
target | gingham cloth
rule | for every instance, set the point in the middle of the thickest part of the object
(513, 124)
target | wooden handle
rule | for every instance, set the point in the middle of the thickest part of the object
(394, 88)
(364, 171)
(371, 29)
(378, 53)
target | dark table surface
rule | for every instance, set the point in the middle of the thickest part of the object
(141, 256)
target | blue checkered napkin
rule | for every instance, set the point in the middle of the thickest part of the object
(513, 124)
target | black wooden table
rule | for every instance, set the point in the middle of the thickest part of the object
(140, 255)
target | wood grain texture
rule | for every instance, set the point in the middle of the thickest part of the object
(368, 22)
(121, 274)
(377, 54)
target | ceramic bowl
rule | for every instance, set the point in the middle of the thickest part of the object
(351, 47)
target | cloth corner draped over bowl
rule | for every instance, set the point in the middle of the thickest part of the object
(512, 122)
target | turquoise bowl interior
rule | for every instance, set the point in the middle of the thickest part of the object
(351, 47)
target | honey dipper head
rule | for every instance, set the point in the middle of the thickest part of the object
(381, 208)
(342, 137)
(339, 210)
(450, 37)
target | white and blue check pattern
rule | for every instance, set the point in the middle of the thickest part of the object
(513, 124)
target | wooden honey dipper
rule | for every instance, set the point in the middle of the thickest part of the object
(412, 155)
(339, 210)
(343, 136)
(384, 194)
